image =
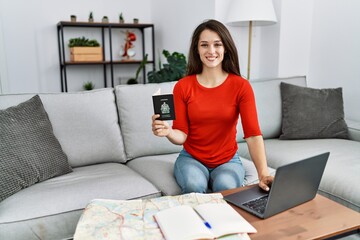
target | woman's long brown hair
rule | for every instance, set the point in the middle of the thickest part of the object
(230, 63)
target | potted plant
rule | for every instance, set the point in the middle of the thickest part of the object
(83, 42)
(73, 18)
(121, 18)
(91, 17)
(142, 65)
(173, 70)
(88, 86)
(84, 50)
(136, 20)
(105, 19)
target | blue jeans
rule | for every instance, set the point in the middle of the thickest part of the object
(193, 176)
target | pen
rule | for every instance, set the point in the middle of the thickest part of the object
(207, 224)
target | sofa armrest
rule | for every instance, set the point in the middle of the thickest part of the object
(354, 129)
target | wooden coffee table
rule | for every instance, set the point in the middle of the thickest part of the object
(317, 219)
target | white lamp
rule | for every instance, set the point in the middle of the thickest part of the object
(246, 12)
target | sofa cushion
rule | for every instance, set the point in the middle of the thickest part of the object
(135, 108)
(85, 123)
(158, 169)
(312, 113)
(29, 151)
(51, 209)
(268, 104)
(106, 180)
(57, 226)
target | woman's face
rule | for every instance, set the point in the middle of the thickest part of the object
(211, 49)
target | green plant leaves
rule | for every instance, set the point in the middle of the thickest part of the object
(88, 86)
(83, 42)
(173, 70)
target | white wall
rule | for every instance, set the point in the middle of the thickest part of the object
(335, 50)
(3, 70)
(175, 22)
(30, 39)
(269, 47)
(295, 38)
(317, 38)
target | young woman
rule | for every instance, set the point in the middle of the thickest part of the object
(208, 102)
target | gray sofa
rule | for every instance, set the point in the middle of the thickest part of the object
(106, 135)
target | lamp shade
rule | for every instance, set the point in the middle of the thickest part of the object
(259, 11)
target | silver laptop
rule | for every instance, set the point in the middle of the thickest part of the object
(294, 184)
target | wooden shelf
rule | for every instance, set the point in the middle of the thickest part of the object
(62, 25)
(106, 62)
(106, 25)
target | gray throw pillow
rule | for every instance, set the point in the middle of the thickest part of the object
(29, 150)
(312, 113)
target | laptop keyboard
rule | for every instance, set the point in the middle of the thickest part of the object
(258, 205)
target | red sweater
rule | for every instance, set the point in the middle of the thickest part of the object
(209, 117)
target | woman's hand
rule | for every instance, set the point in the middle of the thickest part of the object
(160, 128)
(163, 129)
(265, 182)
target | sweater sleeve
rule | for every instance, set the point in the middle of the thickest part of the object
(248, 113)
(181, 122)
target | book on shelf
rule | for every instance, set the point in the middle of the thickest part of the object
(204, 221)
(164, 105)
